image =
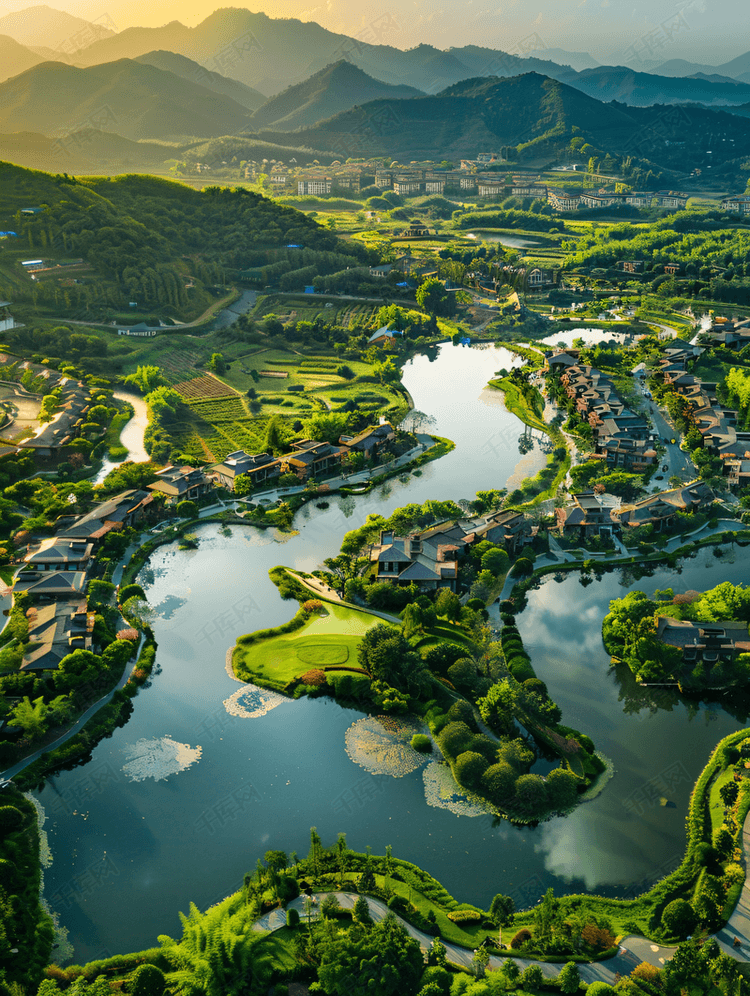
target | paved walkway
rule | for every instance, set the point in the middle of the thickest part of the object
(633, 950)
(79, 723)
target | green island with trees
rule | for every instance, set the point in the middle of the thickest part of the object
(633, 629)
(433, 658)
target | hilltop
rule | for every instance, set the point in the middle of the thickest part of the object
(336, 88)
(172, 248)
(15, 58)
(55, 29)
(192, 71)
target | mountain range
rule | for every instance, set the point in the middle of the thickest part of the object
(126, 97)
(271, 55)
(534, 111)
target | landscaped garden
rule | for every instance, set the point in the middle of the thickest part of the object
(325, 635)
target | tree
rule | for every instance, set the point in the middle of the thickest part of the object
(448, 604)
(729, 792)
(217, 364)
(316, 851)
(186, 509)
(569, 978)
(497, 707)
(341, 853)
(367, 878)
(502, 910)
(434, 299)
(276, 860)
(382, 959)
(678, 918)
(31, 716)
(387, 656)
(327, 426)
(599, 989)
(532, 978)
(243, 485)
(146, 379)
(361, 912)
(480, 961)
(546, 916)
(496, 561)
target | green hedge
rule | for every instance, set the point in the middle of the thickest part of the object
(297, 622)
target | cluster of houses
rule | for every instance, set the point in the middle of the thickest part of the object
(590, 514)
(716, 423)
(622, 437)
(624, 440)
(56, 571)
(307, 460)
(430, 558)
(65, 426)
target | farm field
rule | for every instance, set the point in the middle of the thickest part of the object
(223, 418)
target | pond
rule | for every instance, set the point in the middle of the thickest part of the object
(178, 805)
(512, 241)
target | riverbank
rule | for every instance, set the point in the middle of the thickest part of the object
(425, 906)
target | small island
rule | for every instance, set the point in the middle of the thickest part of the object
(384, 629)
(697, 641)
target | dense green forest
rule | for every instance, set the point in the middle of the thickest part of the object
(166, 246)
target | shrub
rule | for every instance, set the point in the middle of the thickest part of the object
(11, 819)
(295, 388)
(678, 919)
(469, 768)
(522, 937)
(500, 782)
(422, 743)
(455, 739)
(521, 670)
(292, 918)
(148, 980)
(462, 712)
(130, 591)
(465, 916)
(523, 567)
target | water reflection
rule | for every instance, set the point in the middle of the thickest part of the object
(192, 836)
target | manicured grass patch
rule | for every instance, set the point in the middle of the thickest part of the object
(323, 641)
(321, 654)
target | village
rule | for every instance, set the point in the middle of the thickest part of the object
(55, 570)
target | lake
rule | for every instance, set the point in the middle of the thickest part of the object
(130, 851)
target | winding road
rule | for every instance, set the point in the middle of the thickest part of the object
(633, 949)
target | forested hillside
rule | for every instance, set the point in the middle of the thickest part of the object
(154, 241)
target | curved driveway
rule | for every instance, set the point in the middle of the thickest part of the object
(633, 950)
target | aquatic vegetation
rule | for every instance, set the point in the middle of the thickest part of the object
(250, 702)
(443, 791)
(158, 758)
(382, 745)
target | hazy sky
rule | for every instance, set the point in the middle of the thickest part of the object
(613, 31)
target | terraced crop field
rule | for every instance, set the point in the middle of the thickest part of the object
(204, 387)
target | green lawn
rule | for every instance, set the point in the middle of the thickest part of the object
(327, 639)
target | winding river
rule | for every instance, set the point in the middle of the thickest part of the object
(179, 803)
